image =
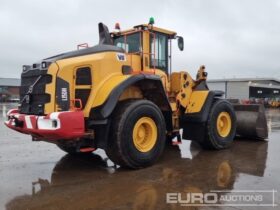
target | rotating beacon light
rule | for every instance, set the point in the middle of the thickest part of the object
(151, 21)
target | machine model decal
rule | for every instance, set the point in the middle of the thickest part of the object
(62, 93)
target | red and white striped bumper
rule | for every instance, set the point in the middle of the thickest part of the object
(55, 126)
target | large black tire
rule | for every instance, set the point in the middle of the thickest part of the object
(121, 148)
(215, 139)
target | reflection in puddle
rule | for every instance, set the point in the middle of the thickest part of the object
(90, 180)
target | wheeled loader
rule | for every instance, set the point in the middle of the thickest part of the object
(122, 96)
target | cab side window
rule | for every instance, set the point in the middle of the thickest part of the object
(130, 43)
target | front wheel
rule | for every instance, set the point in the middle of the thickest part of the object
(221, 126)
(137, 135)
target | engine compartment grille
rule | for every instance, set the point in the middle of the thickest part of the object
(32, 90)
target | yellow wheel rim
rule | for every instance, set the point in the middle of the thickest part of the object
(223, 124)
(144, 134)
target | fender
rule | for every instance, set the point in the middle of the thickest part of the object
(202, 115)
(143, 81)
(193, 124)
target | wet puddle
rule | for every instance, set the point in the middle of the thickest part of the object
(37, 175)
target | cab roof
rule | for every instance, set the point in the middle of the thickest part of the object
(171, 34)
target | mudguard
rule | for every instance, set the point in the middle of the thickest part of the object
(193, 124)
(143, 81)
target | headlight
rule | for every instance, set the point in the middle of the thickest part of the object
(44, 65)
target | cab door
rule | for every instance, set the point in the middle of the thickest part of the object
(82, 86)
(159, 51)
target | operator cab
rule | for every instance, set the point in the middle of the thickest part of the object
(151, 43)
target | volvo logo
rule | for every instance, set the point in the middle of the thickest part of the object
(121, 57)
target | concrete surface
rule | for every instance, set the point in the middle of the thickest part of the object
(37, 175)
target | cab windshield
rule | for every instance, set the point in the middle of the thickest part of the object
(130, 43)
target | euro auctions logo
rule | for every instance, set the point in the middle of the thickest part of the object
(224, 198)
(192, 198)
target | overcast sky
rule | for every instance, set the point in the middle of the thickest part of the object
(233, 38)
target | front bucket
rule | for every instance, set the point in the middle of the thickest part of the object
(251, 121)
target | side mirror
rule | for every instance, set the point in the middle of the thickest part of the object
(180, 43)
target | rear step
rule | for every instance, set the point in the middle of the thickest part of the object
(87, 149)
(178, 141)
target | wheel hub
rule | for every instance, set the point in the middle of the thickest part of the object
(223, 124)
(144, 134)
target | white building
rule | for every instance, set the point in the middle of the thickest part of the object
(247, 88)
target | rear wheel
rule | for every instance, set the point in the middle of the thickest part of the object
(221, 126)
(137, 136)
